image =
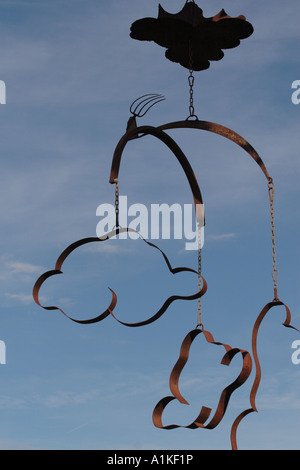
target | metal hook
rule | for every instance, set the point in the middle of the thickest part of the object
(149, 98)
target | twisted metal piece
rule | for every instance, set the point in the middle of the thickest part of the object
(167, 303)
(261, 316)
(205, 412)
(40, 281)
(148, 100)
(257, 379)
(109, 311)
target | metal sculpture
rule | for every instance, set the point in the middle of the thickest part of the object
(192, 41)
(189, 35)
(109, 311)
(204, 414)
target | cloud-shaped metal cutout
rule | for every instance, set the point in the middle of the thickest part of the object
(188, 35)
(109, 311)
(257, 378)
(57, 270)
(205, 412)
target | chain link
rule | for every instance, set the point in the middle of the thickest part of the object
(117, 202)
(274, 263)
(191, 80)
(199, 320)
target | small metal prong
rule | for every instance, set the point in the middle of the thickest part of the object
(142, 103)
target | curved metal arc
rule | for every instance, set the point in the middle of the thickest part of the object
(171, 144)
(159, 133)
(224, 132)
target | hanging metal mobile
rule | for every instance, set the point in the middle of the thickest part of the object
(192, 41)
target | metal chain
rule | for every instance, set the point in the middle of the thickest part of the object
(199, 320)
(274, 263)
(191, 80)
(117, 202)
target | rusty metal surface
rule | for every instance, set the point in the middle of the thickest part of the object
(189, 32)
(257, 379)
(166, 304)
(134, 132)
(109, 311)
(58, 266)
(193, 41)
(167, 140)
(223, 131)
(204, 418)
(205, 412)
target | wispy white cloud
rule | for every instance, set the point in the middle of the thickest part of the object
(62, 398)
(15, 276)
(22, 298)
(18, 269)
(10, 402)
(280, 401)
(6, 444)
(87, 58)
(221, 237)
(107, 248)
(76, 428)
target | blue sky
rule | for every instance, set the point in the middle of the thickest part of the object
(71, 72)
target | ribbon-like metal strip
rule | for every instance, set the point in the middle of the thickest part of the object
(257, 378)
(141, 131)
(63, 256)
(221, 130)
(205, 412)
